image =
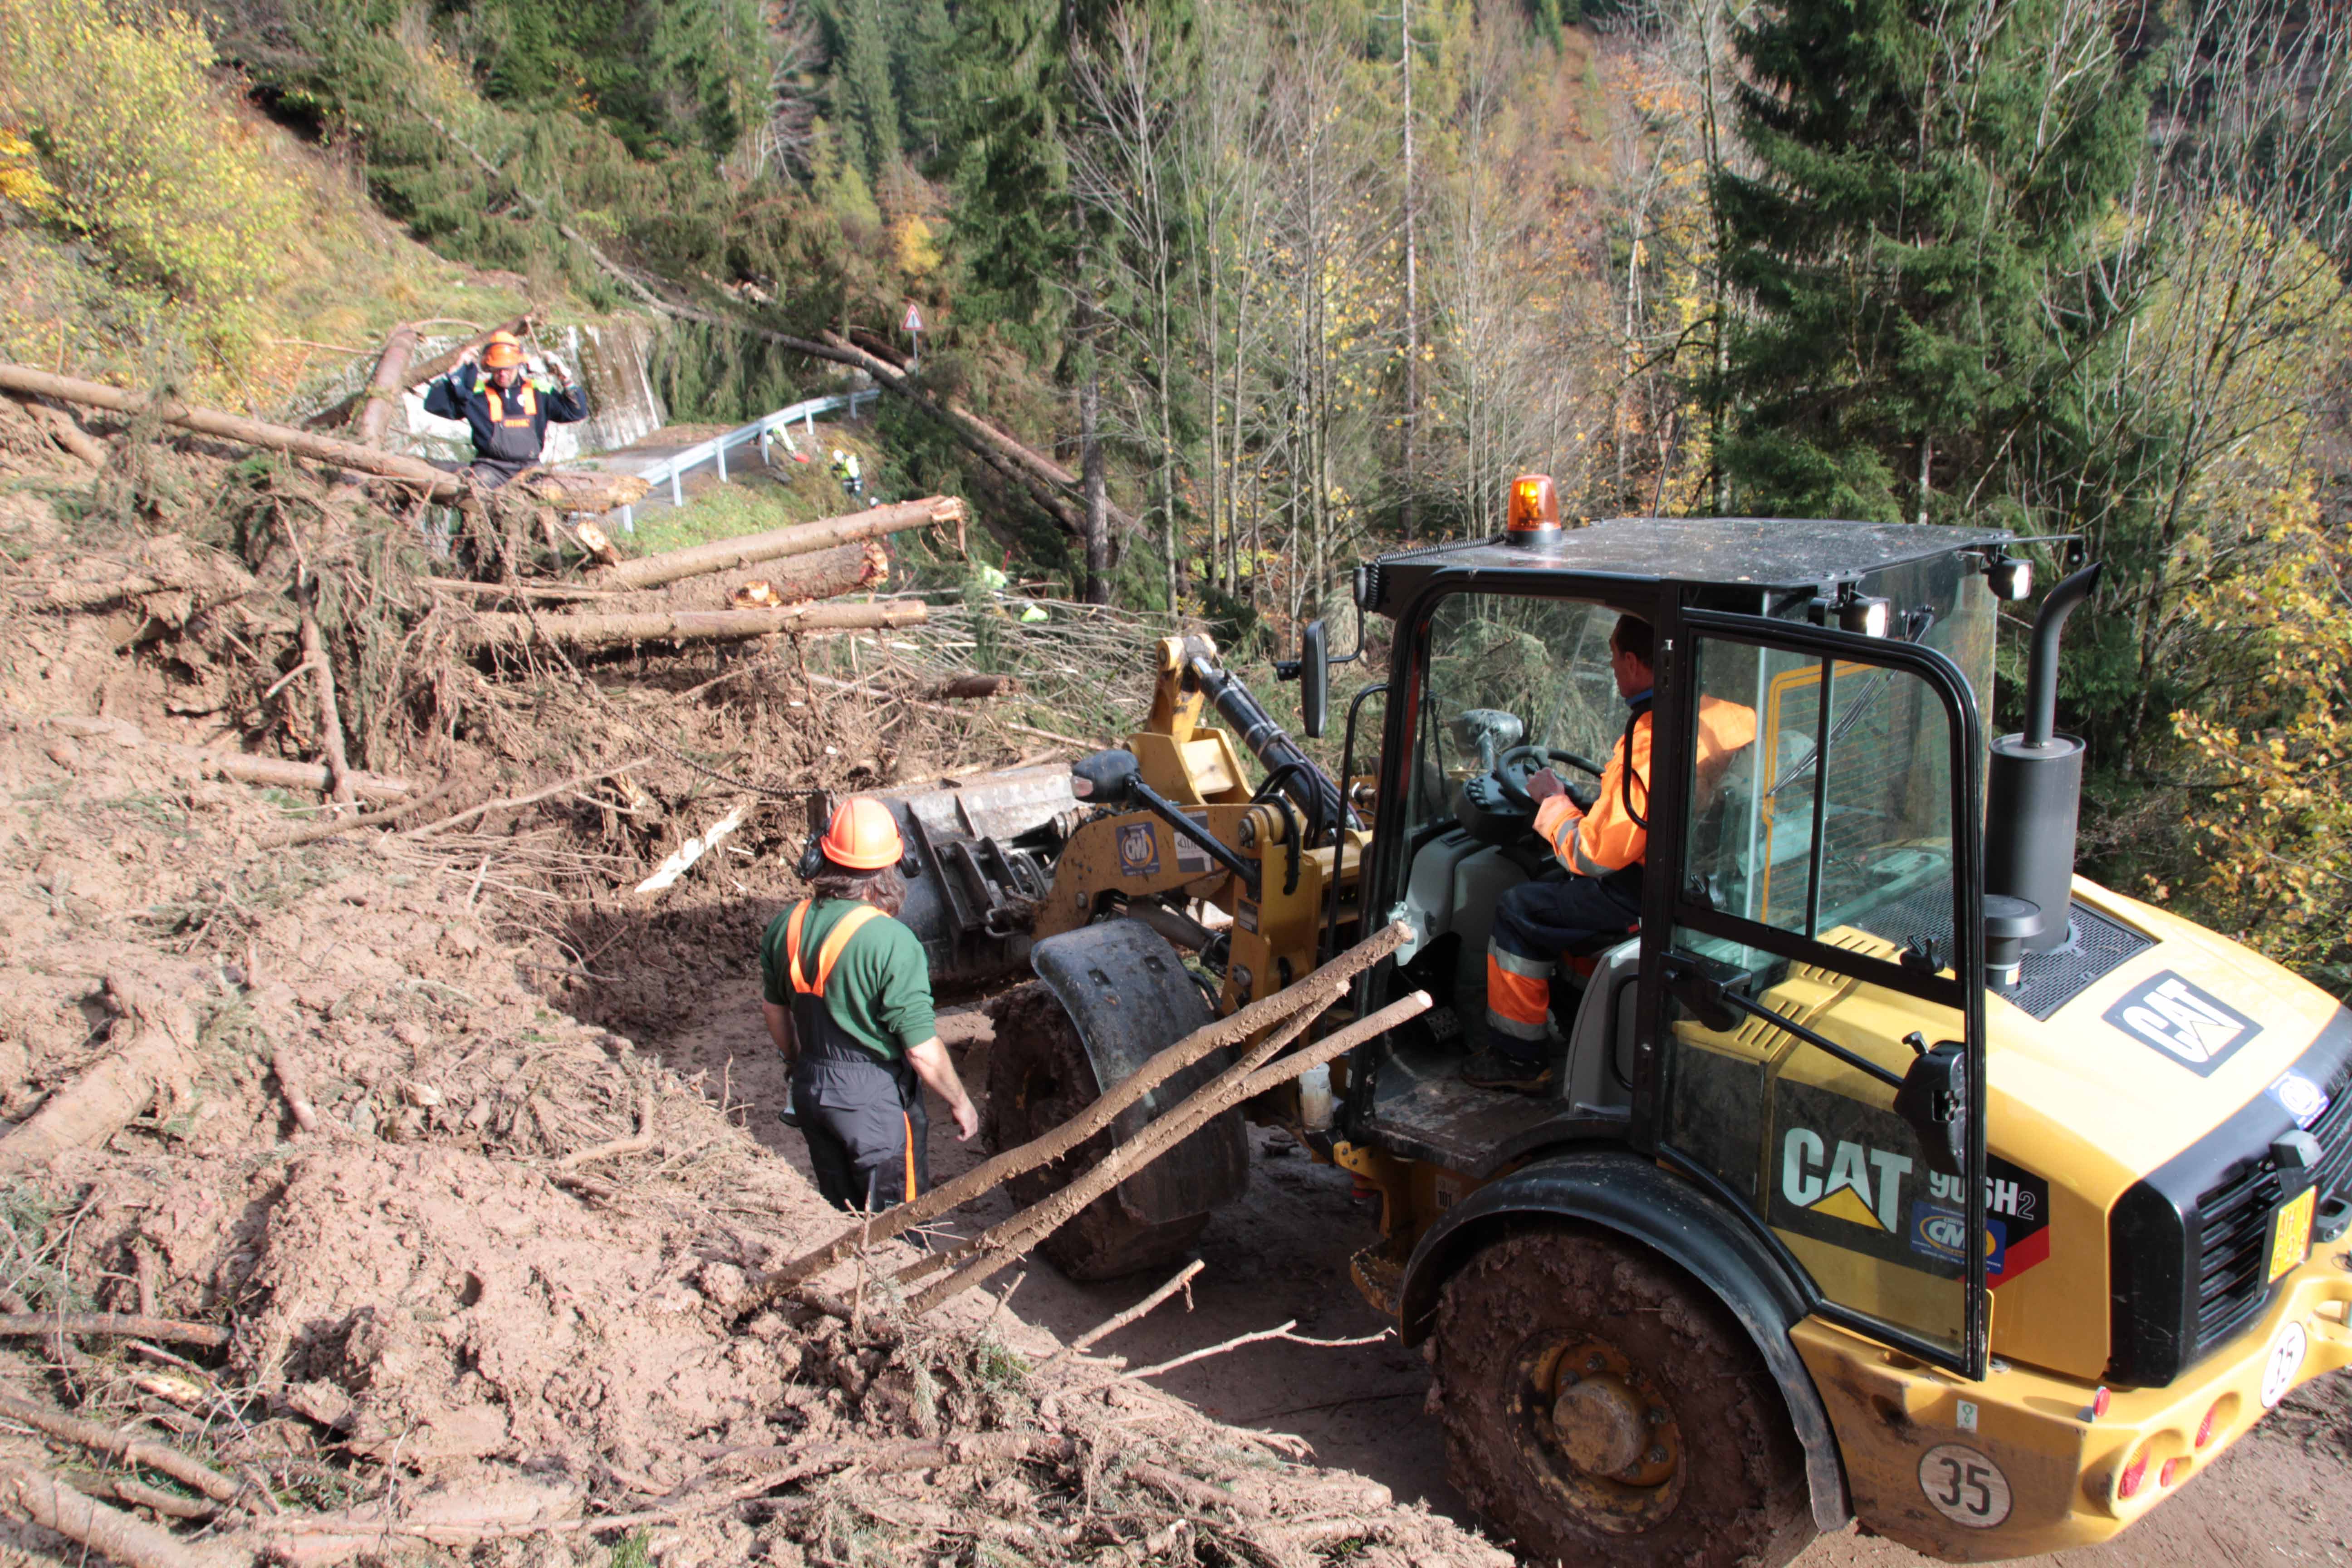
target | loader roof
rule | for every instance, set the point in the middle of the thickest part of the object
(1706, 552)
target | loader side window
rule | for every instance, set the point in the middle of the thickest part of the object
(1821, 834)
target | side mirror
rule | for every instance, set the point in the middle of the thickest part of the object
(1932, 1103)
(1314, 680)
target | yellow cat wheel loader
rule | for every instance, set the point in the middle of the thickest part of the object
(1892, 1172)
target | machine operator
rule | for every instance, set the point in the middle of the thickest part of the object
(847, 999)
(507, 412)
(1601, 850)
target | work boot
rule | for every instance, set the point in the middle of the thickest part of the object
(1491, 1069)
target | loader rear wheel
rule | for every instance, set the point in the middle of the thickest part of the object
(1600, 1405)
(1038, 1078)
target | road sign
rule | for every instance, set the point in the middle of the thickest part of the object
(914, 322)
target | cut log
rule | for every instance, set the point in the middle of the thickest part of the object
(826, 575)
(383, 393)
(440, 364)
(581, 492)
(436, 484)
(970, 687)
(103, 1100)
(585, 633)
(652, 571)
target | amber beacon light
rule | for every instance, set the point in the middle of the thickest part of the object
(1534, 512)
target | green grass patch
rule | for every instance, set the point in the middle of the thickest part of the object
(760, 502)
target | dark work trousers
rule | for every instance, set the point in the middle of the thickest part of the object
(1539, 920)
(864, 1119)
(490, 473)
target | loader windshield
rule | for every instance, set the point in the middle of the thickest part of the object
(1507, 672)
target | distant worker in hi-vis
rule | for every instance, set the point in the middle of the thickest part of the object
(850, 472)
(507, 407)
(847, 1000)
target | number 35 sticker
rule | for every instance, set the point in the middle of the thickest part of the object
(1964, 1485)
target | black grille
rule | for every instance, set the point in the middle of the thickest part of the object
(2047, 981)
(2233, 1254)
(2333, 1131)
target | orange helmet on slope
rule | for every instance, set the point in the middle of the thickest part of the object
(503, 351)
(862, 835)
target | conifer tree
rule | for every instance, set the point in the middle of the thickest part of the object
(866, 104)
(1931, 181)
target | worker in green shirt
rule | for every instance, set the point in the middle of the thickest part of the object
(847, 999)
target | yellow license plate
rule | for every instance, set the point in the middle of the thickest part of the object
(2291, 1239)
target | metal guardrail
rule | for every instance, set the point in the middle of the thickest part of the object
(764, 429)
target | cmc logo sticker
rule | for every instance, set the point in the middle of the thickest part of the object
(1964, 1485)
(1139, 851)
(2193, 1026)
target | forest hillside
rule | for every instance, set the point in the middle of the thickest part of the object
(1220, 297)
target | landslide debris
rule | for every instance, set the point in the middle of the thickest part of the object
(347, 1236)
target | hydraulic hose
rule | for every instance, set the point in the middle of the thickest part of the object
(1308, 785)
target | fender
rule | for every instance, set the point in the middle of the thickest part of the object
(1619, 1192)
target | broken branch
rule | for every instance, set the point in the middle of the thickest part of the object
(1315, 991)
(1010, 1240)
(160, 1458)
(38, 1496)
(1112, 1325)
(133, 1323)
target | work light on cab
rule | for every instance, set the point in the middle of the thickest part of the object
(1533, 515)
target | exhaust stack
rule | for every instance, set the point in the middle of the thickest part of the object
(2035, 793)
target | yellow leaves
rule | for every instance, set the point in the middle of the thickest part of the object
(140, 154)
(21, 181)
(917, 253)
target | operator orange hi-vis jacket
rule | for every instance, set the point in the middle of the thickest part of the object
(1616, 833)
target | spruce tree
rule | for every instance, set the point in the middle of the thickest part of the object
(866, 105)
(1931, 179)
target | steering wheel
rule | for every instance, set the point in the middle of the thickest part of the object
(1514, 767)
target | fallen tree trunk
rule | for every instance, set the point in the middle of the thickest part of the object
(237, 765)
(1315, 991)
(440, 364)
(506, 629)
(1080, 742)
(826, 575)
(652, 571)
(436, 484)
(1244, 1080)
(103, 1100)
(383, 392)
(36, 1495)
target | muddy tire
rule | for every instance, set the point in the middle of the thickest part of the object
(1602, 1406)
(1038, 1078)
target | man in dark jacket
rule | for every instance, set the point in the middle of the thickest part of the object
(506, 411)
(847, 995)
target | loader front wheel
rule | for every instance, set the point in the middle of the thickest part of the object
(1602, 1406)
(1038, 1078)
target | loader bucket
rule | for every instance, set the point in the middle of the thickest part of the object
(981, 854)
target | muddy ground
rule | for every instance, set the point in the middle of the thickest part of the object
(2280, 1498)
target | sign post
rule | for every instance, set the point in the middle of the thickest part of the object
(913, 327)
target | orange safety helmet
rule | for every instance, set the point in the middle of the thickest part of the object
(503, 351)
(862, 835)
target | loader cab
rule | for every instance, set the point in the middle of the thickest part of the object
(1837, 848)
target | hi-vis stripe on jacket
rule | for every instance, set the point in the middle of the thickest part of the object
(1607, 838)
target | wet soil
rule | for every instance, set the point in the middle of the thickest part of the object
(2279, 1497)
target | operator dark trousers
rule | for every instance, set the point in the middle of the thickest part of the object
(1535, 923)
(864, 1122)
